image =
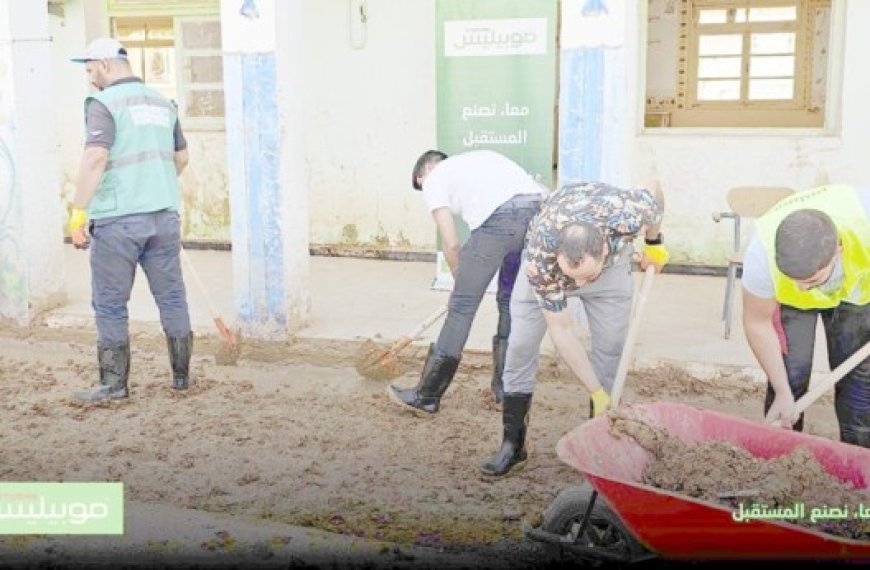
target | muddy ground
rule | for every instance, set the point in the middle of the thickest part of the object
(292, 434)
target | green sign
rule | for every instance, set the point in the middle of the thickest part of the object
(496, 71)
(61, 508)
(497, 80)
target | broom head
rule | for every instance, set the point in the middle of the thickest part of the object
(376, 362)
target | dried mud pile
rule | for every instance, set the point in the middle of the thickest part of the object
(724, 473)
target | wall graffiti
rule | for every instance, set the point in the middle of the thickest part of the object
(13, 285)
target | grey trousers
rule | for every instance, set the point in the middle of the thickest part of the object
(607, 303)
(492, 247)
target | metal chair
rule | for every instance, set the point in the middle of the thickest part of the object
(745, 202)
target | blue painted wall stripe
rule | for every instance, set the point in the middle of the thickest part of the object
(260, 108)
(253, 144)
(581, 103)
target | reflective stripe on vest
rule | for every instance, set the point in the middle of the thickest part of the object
(844, 207)
(140, 175)
(141, 157)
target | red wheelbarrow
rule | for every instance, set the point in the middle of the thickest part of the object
(616, 517)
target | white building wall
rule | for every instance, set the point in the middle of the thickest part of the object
(371, 111)
(31, 251)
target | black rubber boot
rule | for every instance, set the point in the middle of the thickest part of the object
(437, 374)
(180, 349)
(499, 353)
(114, 372)
(512, 455)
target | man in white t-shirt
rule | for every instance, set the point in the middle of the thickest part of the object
(810, 257)
(497, 199)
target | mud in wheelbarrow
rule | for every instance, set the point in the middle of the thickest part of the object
(637, 521)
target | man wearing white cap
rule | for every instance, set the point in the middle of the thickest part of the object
(128, 188)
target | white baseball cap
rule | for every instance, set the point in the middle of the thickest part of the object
(103, 48)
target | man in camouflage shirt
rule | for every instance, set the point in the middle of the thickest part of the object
(579, 244)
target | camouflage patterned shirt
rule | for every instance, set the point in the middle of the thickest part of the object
(619, 214)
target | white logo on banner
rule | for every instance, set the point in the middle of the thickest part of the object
(515, 36)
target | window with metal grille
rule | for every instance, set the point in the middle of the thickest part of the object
(181, 57)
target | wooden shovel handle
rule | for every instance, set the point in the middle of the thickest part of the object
(195, 274)
(633, 327)
(428, 322)
(836, 374)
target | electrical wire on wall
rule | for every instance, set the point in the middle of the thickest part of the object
(357, 21)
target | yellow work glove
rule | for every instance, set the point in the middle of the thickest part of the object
(600, 402)
(77, 220)
(656, 254)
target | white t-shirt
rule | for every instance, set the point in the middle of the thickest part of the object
(756, 271)
(473, 184)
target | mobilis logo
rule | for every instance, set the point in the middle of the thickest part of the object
(61, 508)
(476, 38)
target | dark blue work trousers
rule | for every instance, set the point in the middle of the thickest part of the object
(847, 329)
(118, 245)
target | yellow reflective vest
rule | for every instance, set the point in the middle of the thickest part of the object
(843, 205)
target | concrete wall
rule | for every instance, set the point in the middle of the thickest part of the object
(205, 209)
(82, 21)
(31, 254)
(370, 113)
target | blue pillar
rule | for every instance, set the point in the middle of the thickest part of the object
(593, 117)
(580, 114)
(269, 265)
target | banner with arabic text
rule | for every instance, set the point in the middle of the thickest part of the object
(496, 71)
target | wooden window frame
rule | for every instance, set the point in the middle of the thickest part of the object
(148, 8)
(797, 112)
(745, 30)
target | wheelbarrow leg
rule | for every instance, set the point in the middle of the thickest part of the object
(588, 515)
(578, 523)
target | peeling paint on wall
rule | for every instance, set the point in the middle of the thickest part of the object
(349, 234)
(13, 286)
(205, 197)
(13, 270)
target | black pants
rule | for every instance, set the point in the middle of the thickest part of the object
(847, 329)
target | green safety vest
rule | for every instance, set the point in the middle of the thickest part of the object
(140, 175)
(844, 207)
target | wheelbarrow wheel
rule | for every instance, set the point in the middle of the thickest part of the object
(605, 534)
